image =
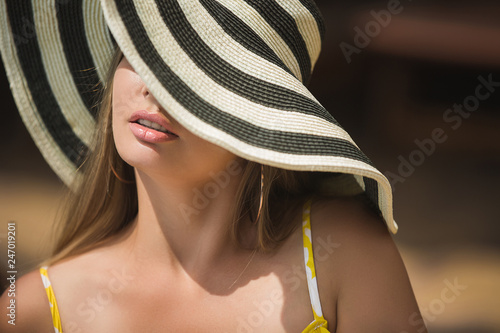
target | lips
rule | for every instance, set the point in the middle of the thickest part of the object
(151, 127)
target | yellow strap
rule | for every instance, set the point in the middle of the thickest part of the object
(319, 320)
(317, 326)
(56, 319)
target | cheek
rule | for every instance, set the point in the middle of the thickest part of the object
(118, 122)
(126, 97)
(123, 102)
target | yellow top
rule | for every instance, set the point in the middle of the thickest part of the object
(56, 319)
(318, 325)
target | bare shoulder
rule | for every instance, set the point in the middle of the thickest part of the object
(26, 305)
(355, 228)
(80, 274)
(366, 276)
(72, 279)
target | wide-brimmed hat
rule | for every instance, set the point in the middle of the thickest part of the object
(232, 72)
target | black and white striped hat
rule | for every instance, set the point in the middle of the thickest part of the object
(232, 72)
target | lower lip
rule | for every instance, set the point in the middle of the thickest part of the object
(150, 135)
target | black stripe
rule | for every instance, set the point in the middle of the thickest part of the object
(286, 27)
(316, 13)
(80, 61)
(371, 190)
(229, 77)
(26, 41)
(286, 142)
(242, 33)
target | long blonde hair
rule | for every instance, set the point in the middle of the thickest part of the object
(104, 197)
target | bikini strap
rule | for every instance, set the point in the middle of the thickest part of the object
(312, 284)
(56, 319)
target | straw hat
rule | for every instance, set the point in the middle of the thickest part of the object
(232, 72)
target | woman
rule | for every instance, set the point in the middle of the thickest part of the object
(212, 176)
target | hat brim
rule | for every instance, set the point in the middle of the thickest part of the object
(252, 104)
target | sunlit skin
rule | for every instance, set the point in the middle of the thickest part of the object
(169, 176)
(166, 273)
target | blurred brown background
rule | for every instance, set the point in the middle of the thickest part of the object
(392, 73)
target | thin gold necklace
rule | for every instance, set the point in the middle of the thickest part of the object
(244, 269)
(256, 219)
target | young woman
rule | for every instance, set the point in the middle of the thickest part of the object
(217, 195)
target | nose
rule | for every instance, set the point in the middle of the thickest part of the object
(145, 91)
(152, 101)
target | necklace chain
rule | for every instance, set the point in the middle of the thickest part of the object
(244, 269)
(258, 215)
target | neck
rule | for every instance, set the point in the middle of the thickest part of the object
(185, 225)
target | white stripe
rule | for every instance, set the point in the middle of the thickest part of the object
(58, 72)
(49, 149)
(312, 285)
(314, 294)
(99, 40)
(46, 281)
(307, 26)
(383, 197)
(267, 33)
(237, 55)
(360, 181)
(228, 142)
(209, 90)
(307, 232)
